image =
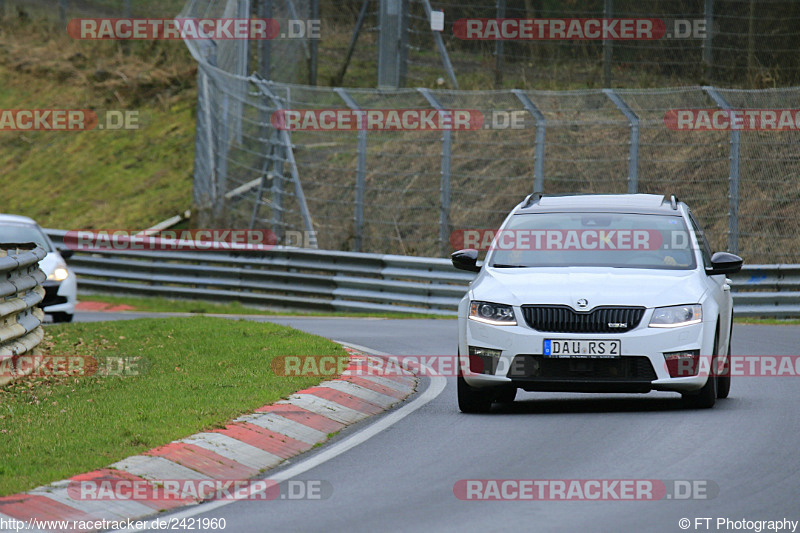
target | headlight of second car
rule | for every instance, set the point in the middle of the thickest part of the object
(676, 315)
(60, 273)
(491, 313)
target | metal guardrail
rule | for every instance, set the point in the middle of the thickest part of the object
(20, 293)
(279, 277)
(347, 281)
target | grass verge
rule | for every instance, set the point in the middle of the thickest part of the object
(765, 321)
(164, 305)
(199, 373)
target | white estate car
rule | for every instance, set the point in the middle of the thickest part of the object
(61, 288)
(595, 293)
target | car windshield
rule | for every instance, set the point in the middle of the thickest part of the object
(21, 233)
(621, 240)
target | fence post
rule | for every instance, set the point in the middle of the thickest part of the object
(390, 40)
(541, 126)
(444, 188)
(278, 182)
(288, 150)
(314, 45)
(62, 12)
(264, 49)
(733, 177)
(608, 12)
(498, 48)
(222, 139)
(205, 107)
(708, 56)
(265, 175)
(361, 173)
(633, 149)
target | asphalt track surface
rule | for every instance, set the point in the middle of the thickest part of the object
(402, 478)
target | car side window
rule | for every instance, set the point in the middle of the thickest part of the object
(705, 249)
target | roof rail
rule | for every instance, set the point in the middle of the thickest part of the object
(531, 199)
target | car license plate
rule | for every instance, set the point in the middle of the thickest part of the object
(597, 348)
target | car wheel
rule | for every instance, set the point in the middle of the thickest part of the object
(506, 395)
(706, 397)
(62, 317)
(472, 400)
(724, 380)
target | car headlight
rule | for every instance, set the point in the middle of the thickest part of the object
(60, 273)
(676, 315)
(490, 313)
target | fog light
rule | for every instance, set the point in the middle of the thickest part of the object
(483, 360)
(682, 364)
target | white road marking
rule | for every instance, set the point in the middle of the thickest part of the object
(437, 385)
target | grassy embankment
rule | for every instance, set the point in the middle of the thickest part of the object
(185, 375)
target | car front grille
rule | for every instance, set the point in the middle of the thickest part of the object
(538, 367)
(564, 319)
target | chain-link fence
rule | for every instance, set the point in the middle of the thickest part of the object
(65, 10)
(738, 43)
(742, 43)
(407, 191)
(735, 43)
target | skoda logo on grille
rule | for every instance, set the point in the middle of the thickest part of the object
(583, 303)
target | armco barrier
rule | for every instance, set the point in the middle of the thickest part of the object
(348, 281)
(20, 293)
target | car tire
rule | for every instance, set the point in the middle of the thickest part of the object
(506, 395)
(706, 397)
(724, 380)
(62, 317)
(472, 400)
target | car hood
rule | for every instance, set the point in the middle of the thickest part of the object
(599, 286)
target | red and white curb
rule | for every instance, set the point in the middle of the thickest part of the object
(245, 448)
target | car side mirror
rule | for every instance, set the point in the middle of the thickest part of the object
(724, 263)
(66, 253)
(466, 260)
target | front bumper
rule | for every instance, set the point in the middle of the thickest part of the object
(60, 296)
(640, 368)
